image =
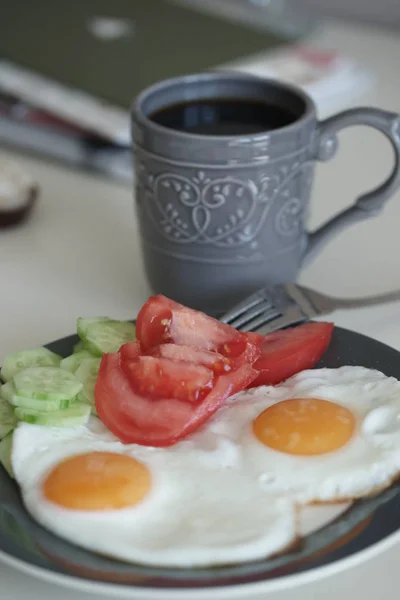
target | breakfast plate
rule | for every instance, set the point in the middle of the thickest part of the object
(336, 536)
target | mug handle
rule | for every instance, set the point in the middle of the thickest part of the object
(369, 204)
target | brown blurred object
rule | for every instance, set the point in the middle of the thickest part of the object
(18, 193)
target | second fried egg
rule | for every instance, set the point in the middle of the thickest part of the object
(324, 435)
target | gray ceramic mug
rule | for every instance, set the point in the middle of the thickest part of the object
(221, 216)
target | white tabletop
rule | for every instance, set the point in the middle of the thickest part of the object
(79, 255)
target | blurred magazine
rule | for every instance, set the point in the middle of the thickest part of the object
(331, 79)
(78, 128)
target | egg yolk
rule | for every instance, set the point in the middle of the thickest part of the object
(304, 426)
(97, 481)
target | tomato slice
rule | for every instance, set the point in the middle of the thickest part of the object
(130, 351)
(255, 338)
(190, 354)
(285, 353)
(153, 322)
(249, 355)
(134, 418)
(166, 378)
(162, 320)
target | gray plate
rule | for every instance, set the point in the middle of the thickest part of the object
(364, 524)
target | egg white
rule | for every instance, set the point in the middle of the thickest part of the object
(201, 509)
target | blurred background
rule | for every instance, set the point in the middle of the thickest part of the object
(384, 12)
(68, 72)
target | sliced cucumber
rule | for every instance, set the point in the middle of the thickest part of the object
(7, 418)
(7, 391)
(42, 405)
(87, 373)
(5, 453)
(107, 336)
(77, 414)
(87, 399)
(71, 363)
(47, 383)
(82, 325)
(77, 347)
(88, 368)
(35, 357)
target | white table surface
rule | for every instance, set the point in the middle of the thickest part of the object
(79, 255)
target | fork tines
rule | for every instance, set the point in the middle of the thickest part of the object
(269, 308)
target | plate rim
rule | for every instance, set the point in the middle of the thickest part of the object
(228, 592)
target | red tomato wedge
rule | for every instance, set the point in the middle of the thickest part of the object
(190, 354)
(156, 377)
(153, 322)
(130, 351)
(214, 360)
(135, 418)
(285, 353)
(162, 320)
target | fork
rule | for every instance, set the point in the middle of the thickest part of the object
(277, 306)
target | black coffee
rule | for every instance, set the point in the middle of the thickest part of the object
(223, 116)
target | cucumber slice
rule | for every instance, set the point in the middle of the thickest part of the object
(7, 418)
(7, 391)
(82, 324)
(43, 405)
(47, 383)
(107, 336)
(71, 363)
(35, 357)
(5, 453)
(87, 373)
(86, 399)
(77, 414)
(77, 347)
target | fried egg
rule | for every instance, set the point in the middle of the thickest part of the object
(325, 435)
(172, 506)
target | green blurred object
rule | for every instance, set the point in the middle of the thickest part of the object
(113, 50)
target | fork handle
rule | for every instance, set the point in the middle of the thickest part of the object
(367, 301)
(369, 204)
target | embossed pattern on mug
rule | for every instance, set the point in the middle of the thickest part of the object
(223, 212)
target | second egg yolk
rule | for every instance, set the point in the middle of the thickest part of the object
(304, 426)
(97, 481)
